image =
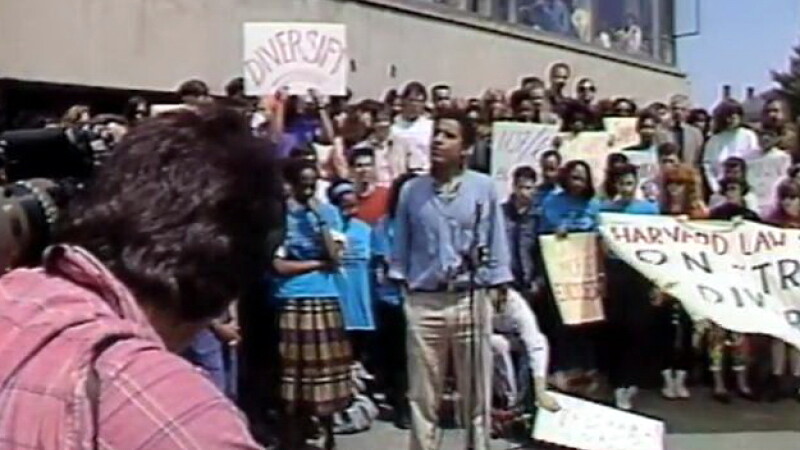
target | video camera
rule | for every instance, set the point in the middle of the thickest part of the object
(40, 170)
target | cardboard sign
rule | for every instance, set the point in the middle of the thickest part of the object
(517, 144)
(743, 276)
(645, 160)
(300, 56)
(764, 173)
(590, 146)
(584, 425)
(623, 131)
(573, 267)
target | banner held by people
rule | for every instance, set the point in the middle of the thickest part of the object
(300, 56)
(590, 426)
(573, 267)
(743, 276)
(517, 144)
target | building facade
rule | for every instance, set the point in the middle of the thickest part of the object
(626, 46)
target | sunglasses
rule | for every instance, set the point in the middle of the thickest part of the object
(586, 89)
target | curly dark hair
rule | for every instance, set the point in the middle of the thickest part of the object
(183, 211)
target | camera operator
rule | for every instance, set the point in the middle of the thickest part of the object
(172, 228)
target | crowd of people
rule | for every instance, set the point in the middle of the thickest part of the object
(401, 278)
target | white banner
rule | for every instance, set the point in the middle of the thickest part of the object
(585, 425)
(300, 56)
(518, 144)
(743, 276)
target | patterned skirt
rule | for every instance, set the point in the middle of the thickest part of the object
(315, 357)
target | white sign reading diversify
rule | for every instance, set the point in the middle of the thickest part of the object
(743, 276)
(589, 426)
(517, 144)
(300, 56)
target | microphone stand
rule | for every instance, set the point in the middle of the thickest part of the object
(474, 331)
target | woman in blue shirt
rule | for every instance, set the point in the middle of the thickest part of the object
(628, 306)
(315, 352)
(571, 209)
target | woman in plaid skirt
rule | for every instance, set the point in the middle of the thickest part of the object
(315, 353)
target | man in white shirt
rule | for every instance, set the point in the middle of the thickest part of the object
(515, 326)
(412, 131)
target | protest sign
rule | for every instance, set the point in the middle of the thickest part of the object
(573, 267)
(763, 173)
(586, 425)
(300, 56)
(645, 160)
(623, 131)
(743, 276)
(590, 146)
(517, 144)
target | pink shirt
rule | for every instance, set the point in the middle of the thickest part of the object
(53, 323)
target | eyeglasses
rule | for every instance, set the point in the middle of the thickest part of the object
(586, 89)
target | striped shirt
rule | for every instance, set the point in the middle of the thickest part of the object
(59, 325)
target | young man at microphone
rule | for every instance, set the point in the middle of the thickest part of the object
(450, 252)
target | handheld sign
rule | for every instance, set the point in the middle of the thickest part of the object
(300, 56)
(517, 144)
(575, 273)
(584, 425)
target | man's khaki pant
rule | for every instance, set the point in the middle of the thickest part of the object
(438, 323)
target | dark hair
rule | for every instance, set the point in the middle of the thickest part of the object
(193, 88)
(524, 172)
(615, 104)
(668, 149)
(735, 161)
(438, 87)
(396, 189)
(550, 154)
(182, 210)
(575, 111)
(560, 65)
(568, 168)
(726, 182)
(793, 170)
(468, 131)
(616, 158)
(517, 97)
(723, 112)
(390, 97)
(644, 116)
(415, 88)
(360, 152)
(132, 106)
(294, 167)
(535, 81)
(301, 151)
(620, 171)
(235, 87)
(609, 183)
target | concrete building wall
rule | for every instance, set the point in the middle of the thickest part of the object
(156, 44)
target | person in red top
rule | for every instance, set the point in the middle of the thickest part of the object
(373, 200)
(171, 231)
